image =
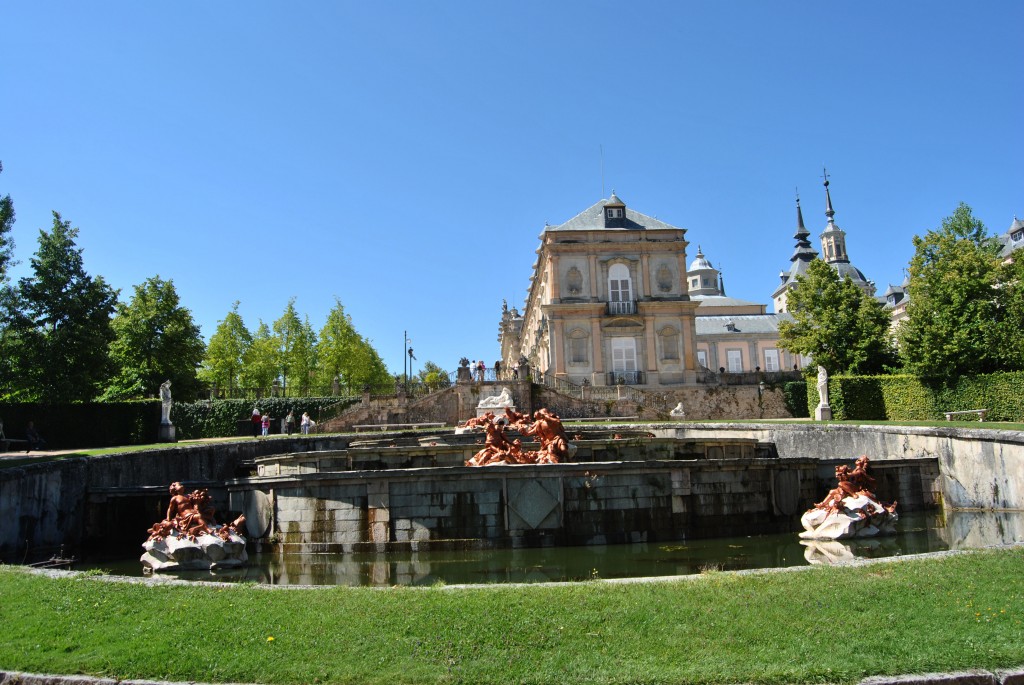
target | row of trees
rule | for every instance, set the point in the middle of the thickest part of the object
(291, 355)
(965, 312)
(66, 337)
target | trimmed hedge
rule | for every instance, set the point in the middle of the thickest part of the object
(95, 424)
(221, 418)
(794, 394)
(906, 398)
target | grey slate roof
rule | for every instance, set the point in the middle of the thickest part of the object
(721, 301)
(743, 323)
(592, 219)
(1006, 239)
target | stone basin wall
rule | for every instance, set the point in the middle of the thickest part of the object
(564, 504)
(66, 502)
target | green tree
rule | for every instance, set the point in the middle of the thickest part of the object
(433, 376)
(156, 340)
(836, 323)
(298, 348)
(954, 319)
(262, 360)
(225, 355)
(8, 340)
(1010, 297)
(60, 318)
(345, 356)
(6, 225)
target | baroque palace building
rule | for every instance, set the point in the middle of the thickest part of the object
(613, 301)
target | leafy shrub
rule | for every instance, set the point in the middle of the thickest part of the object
(794, 394)
(223, 418)
(91, 424)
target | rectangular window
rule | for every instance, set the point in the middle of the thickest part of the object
(771, 360)
(702, 358)
(735, 358)
(623, 354)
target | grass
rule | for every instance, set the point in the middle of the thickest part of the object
(822, 624)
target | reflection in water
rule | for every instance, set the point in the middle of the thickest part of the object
(921, 532)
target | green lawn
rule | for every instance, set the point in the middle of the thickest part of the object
(818, 625)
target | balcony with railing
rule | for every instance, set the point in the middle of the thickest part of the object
(626, 378)
(622, 308)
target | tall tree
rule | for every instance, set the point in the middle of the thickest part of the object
(344, 355)
(225, 355)
(8, 350)
(836, 323)
(6, 225)
(298, 347)
(61, 321)
(953, 326)
(262, 359)
(156, 340)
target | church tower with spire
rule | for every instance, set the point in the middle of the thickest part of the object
(803, 254)
(833, 248)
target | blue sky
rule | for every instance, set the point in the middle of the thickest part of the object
(403, 157)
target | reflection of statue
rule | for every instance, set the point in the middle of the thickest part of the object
(850, 509)
(165, 403)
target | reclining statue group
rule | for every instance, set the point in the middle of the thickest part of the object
(498, 449)
(190, 537)
(851, 509)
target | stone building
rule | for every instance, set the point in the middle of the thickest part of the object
(733, 335)
(607, 302)
(611, 301)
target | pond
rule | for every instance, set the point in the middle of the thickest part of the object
(917, 533)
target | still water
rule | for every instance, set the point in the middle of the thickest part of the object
(917, 533)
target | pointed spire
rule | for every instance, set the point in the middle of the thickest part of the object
(799, 215)
(829, 212)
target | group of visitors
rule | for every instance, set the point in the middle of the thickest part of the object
(33, 440)
(261, 423)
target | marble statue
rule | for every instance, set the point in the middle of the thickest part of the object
(165, 403)
(823, 412)
(851, 509)
(504, 399)
(678, 412)
(189, 537)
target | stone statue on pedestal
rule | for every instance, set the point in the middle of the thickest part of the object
(823, 412)
(166, 433)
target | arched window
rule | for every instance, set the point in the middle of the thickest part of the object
(620, 289)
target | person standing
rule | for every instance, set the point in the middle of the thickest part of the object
(305, 423)
(257, 421)
(289, 422)
(265, 423)
(497, 370)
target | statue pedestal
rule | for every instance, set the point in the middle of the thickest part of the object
(497, 411)
(166, 433)
(823, 412)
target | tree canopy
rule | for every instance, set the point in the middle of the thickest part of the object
(155, 340)
(58, 324)
(836, 323)
(964, 313)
